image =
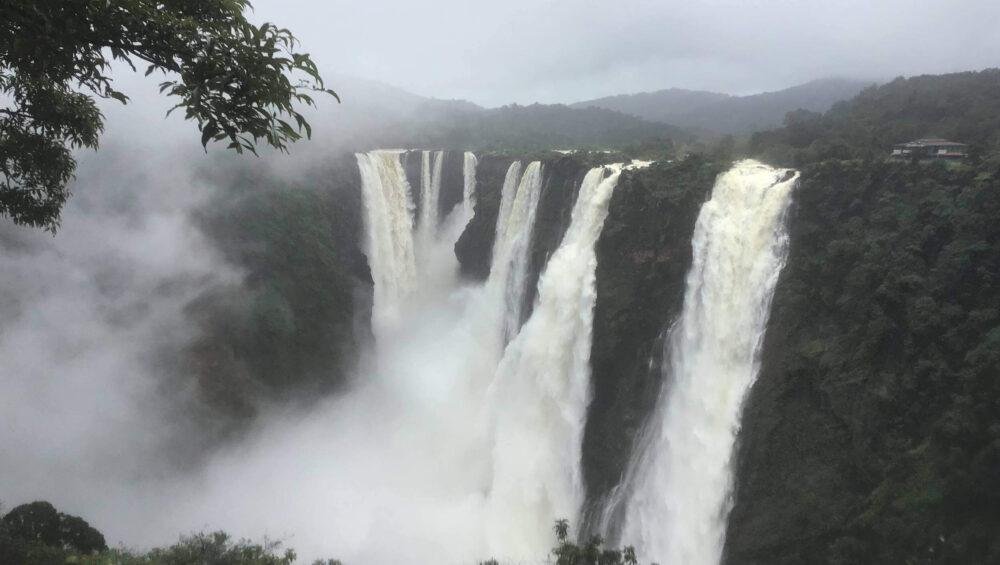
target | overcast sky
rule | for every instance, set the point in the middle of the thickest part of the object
(502, 51)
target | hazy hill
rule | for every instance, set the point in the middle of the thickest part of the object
(538, 126)
(963, 107)
(668, 105)
(373, 114)
(722, 113)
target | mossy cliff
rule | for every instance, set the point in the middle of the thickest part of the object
(643, 256)
(872, 434)
(293, 327)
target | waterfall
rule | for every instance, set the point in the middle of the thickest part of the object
(515, 224)
(469, 185)
(389, 222)
(677, 493)
(541, 389)
(430, 192)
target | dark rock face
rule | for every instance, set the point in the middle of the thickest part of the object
(452, 182)
(872, 434)
(452, 179)
(294, 328)
(474, 248)
(643, 256)
(413, 167)
(561, 184)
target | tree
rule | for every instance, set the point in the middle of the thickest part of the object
(592, 553)
(239, 81)
(39, 523)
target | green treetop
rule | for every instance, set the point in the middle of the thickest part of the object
(239, 81)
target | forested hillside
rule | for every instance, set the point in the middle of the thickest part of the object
(723, 114)
(295, 325)
(536, 127)
(963, 107)
(873, 432)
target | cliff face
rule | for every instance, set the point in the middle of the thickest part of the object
(872, 434)
(562, 178)
(474, 248)
(293, 328)
(644, 253)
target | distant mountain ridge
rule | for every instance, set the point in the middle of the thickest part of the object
(660, 106)
(726, 114)
(379, 115)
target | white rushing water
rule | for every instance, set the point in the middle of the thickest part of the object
(430, 194)
(469, 164)
(389, 221)
(678, 488)
(508, 417)
(515, 226)
(542, 389)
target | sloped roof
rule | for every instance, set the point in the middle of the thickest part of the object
(931, 142)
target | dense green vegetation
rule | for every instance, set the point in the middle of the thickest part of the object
(873, 432)
(537, 127)
(36, 534)
(593, 552)
(239, 81)
(963, 107)
(294, 326)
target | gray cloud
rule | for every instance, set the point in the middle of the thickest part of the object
(566, 50)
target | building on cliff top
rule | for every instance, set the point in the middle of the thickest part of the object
(930, 148)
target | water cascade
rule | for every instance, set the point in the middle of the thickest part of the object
(677, 492)
(469, 163)
(389, 221)
(541, 390)
(515, 225)
(430, 192)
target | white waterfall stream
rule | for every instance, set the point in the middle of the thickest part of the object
(542, 389)
(677, 491)
(514, 413)
(515, 225)
(473, 422)
(389, 208)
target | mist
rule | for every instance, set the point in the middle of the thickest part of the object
(102, 410)
(92, 326)
(564, 51)
(153, 379)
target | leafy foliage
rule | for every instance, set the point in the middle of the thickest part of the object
(37, 534)
(217, 548)
(239, 81)
(591, 553)
(37, 531)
